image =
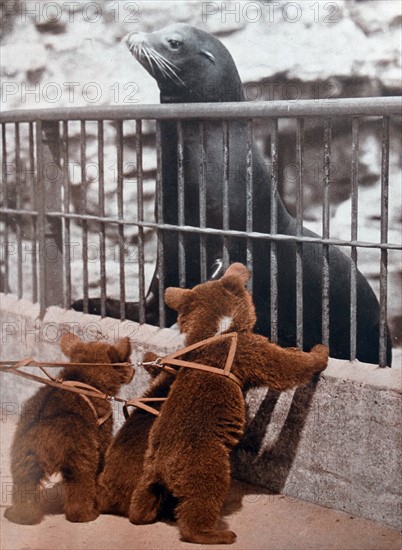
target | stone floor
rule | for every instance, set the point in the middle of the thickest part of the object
(260, 519)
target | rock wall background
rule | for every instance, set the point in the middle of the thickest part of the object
(64, 54)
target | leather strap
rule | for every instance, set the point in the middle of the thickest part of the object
(226, 371)
(33, 363)
(141, 403)
(85, 391)
(77, 384)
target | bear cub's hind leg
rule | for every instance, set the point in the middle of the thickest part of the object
(26, 506)
(198, 513)
(145, 503)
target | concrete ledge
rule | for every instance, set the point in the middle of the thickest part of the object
(336, 443)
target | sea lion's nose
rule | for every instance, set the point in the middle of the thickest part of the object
(133, 38)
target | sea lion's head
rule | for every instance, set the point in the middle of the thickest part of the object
(189, 65)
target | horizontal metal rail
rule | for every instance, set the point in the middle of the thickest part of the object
(372, 106)
(211, 230)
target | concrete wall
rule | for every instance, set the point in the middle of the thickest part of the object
(337, 443)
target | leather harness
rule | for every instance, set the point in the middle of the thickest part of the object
(170, 361)
(86, 391)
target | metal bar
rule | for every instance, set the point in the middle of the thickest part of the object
(273, 229)
(120, 211)
(50, 235)
(67, 232)
(354, 228)
(19, 220)
(102, 232)
(203, 206)
(140, 216)
(83, 161)
(159, 230)
(181, 203)
(213, 231)
(225, 191)
(34, 264)
(384, 237)
(373, 106)
(325, 231)
(5, 187)
(249, 198)
(40, 194)
(299, 232)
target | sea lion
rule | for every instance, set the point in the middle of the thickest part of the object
(191, 66)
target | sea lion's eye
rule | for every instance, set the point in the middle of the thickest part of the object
(175, 44)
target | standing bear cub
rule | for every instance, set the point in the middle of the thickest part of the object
(63, 432)
(188, 454)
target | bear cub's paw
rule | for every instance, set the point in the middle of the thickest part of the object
(24, 514)
(321, 354)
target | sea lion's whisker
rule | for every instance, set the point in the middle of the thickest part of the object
(167, 61)
(168, 65)
(152, 59)
(163, 67)
(159, 64)
(149, 58)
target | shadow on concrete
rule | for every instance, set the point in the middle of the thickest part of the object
(271, 467)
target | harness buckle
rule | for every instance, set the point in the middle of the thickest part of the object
(155, 363)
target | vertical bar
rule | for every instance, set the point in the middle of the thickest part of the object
(40, 193)
(181, 219)
(50, 236)
(83, 161)
(160, 220)
(120, 210)
(299, 232)
(384, 239)
(19, 218)
(325, 231)
(249, 198)
(34, 224)
(225, 198)
(67, 233)
(203, 205)
(273, 229)
(354, 229)
(102, 232)
(5, 187)
(140, 216)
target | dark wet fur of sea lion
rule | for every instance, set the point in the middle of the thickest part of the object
(192, 66)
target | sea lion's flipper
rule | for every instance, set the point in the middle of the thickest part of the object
(132, 309)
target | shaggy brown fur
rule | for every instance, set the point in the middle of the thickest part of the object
(190, 442)
(125, 456)
(58, 433)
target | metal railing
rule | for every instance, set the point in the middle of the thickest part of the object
(46, 205)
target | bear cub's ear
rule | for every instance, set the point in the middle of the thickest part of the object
(238, 270)
(68, 342)
(175, 297)
(123, 349)
(236, 277)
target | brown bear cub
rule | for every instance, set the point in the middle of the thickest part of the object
(62, 432)
(188, 454)
(125, 457)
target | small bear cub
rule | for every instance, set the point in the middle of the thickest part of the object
(58, 432)
(188, 453)
(125, 456)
